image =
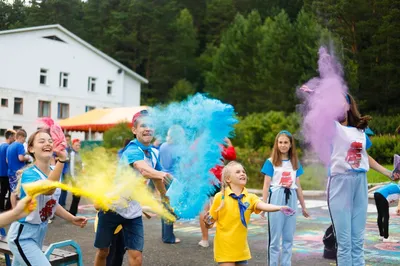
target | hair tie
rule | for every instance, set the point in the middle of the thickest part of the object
(285, 132)
(348, 98)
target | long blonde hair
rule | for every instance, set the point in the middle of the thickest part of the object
(226, 172)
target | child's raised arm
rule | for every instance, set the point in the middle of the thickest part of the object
(262, 206)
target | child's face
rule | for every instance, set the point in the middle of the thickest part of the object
(237, 176)
(284, 144)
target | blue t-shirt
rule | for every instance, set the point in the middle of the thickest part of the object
(14, 164)
(389, 190)
(45, 204)
(132, 153)
(169, 157)
(3, 162)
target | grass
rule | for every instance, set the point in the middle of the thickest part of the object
(315, 177)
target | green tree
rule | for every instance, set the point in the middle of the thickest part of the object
(233, 77)
(115, 136)
(181, 91)
(219, 15)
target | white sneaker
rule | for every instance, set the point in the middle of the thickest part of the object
(390, 240)
(204, 243)
(380, 238)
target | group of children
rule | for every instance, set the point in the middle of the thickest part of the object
(232, 206)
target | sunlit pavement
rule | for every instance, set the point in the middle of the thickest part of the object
(307, 249)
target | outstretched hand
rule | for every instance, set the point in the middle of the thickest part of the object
(79, 221)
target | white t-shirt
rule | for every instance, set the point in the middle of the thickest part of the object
(46, 204)
(349, 150)
(280, 174)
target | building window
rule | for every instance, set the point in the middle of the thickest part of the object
(4, 102)
(109, 87)
(2, 132)
(43, 76)
(18, 106)
(88, 108)
(63, 80)
(17, 127)
(92, 84)
(44, 109)
(63, 110)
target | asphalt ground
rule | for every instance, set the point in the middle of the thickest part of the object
(307, 250)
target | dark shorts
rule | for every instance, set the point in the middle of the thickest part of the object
(132, 228)
(243, 262)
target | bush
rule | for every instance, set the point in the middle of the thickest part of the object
(253, 161)
(385, 124)
(115, 136)
(384, 147)
(257, 131)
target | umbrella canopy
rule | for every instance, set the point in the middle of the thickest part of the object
(99, 120)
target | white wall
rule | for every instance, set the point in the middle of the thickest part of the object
(24, 54)
(131, 92)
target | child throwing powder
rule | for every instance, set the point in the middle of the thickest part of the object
(231, 211)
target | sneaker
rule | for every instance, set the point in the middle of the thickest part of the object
(390, 240)
(204, 243)
(380, 238)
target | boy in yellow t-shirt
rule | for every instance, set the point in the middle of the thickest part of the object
(231, 211)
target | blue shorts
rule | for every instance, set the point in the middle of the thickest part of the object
(132, 228)
(243, 262)
(13, 180)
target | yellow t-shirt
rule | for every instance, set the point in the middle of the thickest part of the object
(96, 221)
(230, 241)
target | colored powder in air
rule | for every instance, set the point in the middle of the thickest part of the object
(105, 185)
(323, 103)
(198, 128)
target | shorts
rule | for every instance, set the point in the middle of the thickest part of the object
(132, 228)
(243, 262)
(13, 180)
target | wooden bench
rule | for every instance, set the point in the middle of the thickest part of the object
(54, 254)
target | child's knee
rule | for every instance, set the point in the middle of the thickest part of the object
(102, 253)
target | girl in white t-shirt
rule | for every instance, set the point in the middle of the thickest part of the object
(282, 187)
(25, 237)
(348, 186)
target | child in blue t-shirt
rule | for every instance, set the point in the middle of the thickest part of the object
(384, 195)
(282, 187)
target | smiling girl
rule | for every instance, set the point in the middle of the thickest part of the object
(230, 241)
(282, 187)
(25, 237)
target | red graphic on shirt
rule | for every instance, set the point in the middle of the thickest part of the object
(354, 154)
(46, 212)
(286, 179)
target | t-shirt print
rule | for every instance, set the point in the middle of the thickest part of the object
(286, 177)
(46, 212)
(354, 155)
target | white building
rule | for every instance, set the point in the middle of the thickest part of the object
(49, 71)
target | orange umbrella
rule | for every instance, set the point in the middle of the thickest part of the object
(99, 120)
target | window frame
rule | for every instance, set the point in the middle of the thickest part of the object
(6, 102)
(92, 84)
(21, 108)
(40, 107)
(45, 75)
(59, 109)
(63, 76)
